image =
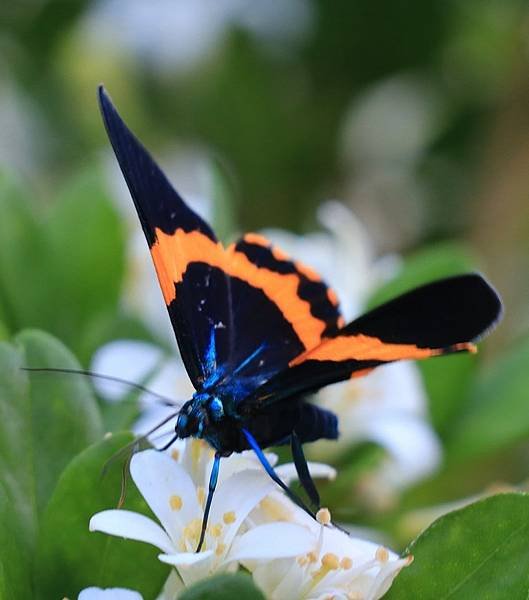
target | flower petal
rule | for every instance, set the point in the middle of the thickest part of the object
(385, 577)
(270, 541)
(288, 472)
(191, 566)
(159, 479)
(133, 526)
(239, 462)
(172, 381)
(239, 494)
(128, 359)
(185, 559)
(414, 448)
(95, 593)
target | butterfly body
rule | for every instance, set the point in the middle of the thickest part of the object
(259, 332)
(213, 416)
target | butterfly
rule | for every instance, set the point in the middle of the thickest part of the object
(259, 332)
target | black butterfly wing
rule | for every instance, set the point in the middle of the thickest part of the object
(184, 249)
(279, 309)
(439, 318)
(240, 314)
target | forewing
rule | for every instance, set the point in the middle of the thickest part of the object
(279, 309)
(186, 254)
(240, 314)
(439, 318)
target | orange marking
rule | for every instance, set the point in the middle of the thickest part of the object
(257, 239)
(361, 373)
(173, 253)
(279, 254)
(363, 347)
(307, 271)
(331, 295)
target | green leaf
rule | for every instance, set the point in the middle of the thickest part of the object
(223, 587)
(496, 415)
(44, 421)
(59, 273)
(120, 416)
(433, 263)
(14, 558)
(64, 417)
(71, 558)
(16, 442)
(4, 334)
(480, 551)
(88, 252)
(447, 380)
(25, 295)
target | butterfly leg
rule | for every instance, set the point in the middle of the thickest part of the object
(302, 469)
(213, 478)
(270, 470)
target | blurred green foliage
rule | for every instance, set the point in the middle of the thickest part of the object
(224, 587)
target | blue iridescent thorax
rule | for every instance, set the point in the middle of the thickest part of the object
(211, 414)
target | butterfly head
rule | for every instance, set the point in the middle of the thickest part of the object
(197, 414)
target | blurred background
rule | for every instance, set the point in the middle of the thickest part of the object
(413, 114)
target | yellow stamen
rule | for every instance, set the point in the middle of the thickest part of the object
(220, 549)
(330, 561)
(323, 516)
(312, 557)
(192, 529)
(382, 555)
(346, 563)
(276, 511)
(216, 530)
(175, 454)
(175, 502)
(229, 517)
(201, 495)
(195, 452)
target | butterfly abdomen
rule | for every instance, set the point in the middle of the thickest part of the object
(316, 423)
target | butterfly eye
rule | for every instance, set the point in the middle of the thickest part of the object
(216, 408)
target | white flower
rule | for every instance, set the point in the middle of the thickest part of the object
(95, 593)
(388, 406)
(176, 496)
(337, 566)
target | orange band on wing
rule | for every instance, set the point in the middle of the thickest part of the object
(173, 253)
(257, 239)
(363, 347)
